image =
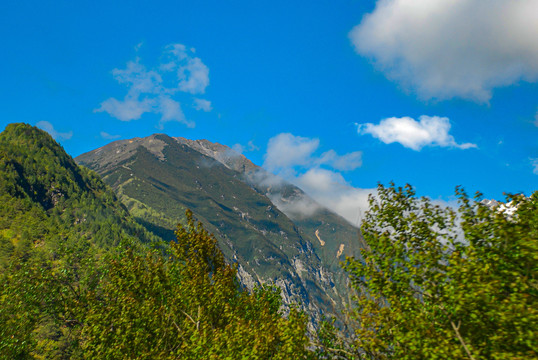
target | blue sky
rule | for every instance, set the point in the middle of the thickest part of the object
(334, 96)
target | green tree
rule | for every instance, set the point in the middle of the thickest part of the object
(444, 284)
(185, 305)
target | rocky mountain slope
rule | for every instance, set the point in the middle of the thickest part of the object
(331, 235)
(251, 212)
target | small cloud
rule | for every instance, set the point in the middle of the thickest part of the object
(201, 104)
(330, 189)
(108, 136)
(156, 90)
(251, 146)
(428, 131)
(194, 77)
(240, 149)
(286, 150)
(293, 158)
(192, 73)
(128, 109)
(47, 126)
(536, 118)
(446, 49)
(535, 166)
(138, 79)
(171, 111)
(297, 207)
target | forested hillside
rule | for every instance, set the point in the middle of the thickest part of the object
(81, 279)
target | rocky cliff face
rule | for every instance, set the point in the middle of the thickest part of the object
(247, 209)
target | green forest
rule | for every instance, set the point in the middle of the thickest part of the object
(80, 278)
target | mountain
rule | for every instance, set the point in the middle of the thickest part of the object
(254, 215)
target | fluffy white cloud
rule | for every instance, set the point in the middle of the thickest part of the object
(192, 73)
(138, 78)
(201, 104)
(330, 189)
(128, 109)
(445, 48)
(152, 91)
(428, 131)
(48, 127)
(293, 158)
(108, 136)
(286, 150)
(194, 77)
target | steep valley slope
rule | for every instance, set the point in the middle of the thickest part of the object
(250, 212)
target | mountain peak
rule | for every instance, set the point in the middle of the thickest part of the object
(222, 153)
(109, 156)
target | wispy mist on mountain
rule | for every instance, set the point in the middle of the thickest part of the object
(270, 228)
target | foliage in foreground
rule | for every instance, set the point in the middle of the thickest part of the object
(136, 304)
(189, 306)
(440, 284)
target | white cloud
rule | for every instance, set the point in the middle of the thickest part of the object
(535, 166)
(201, 104)
(138, 78)
(286, 150)
(295, 208)
(128, 109)
(170, 110)
(108, 136)
(240, 149)
(194, 77)
(192, 73)
(331, 190)
(156, 90)
(349, 161)
(428, 131)
(293, 158)
(48, 127)
(444, 48)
